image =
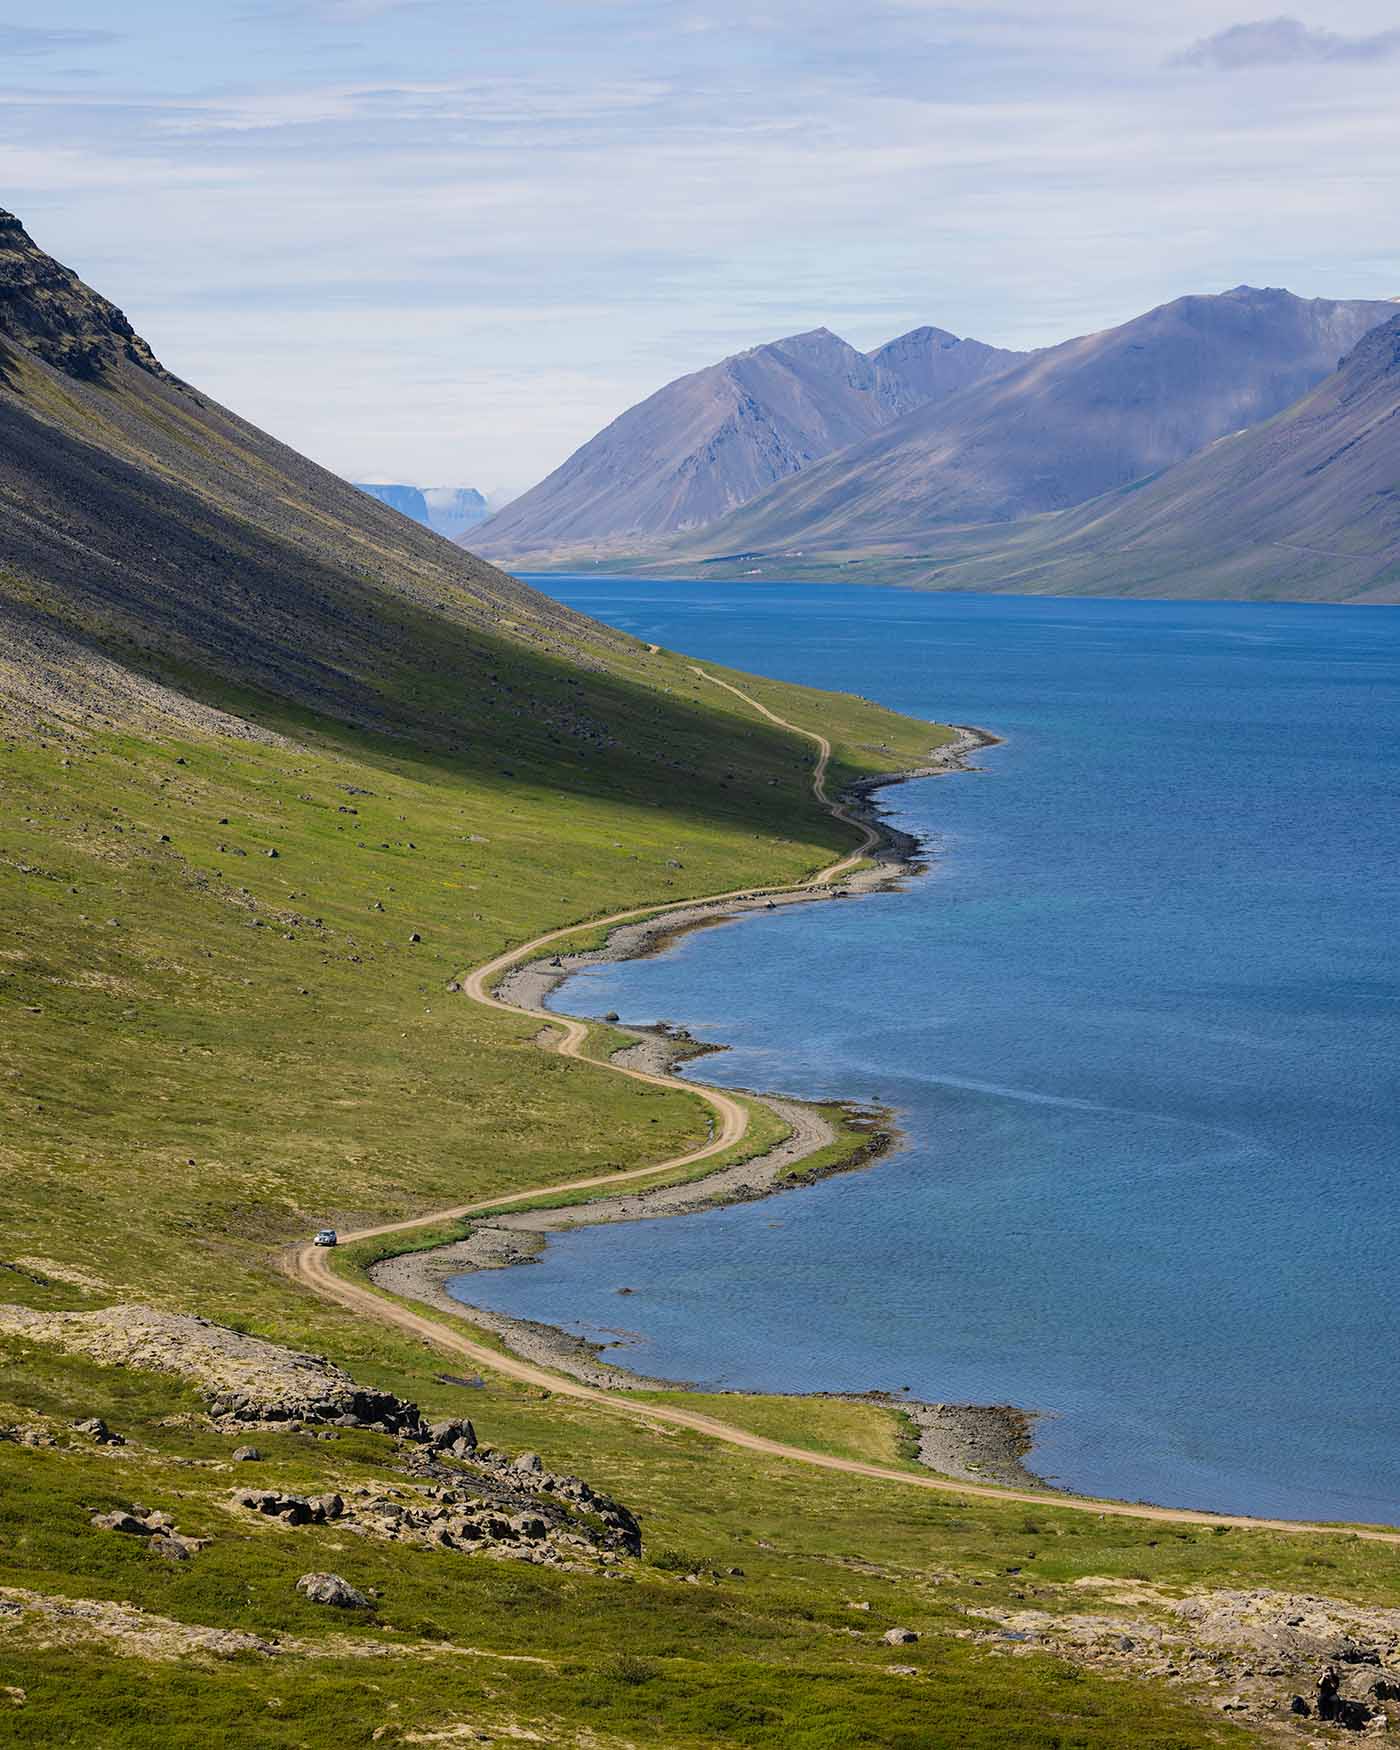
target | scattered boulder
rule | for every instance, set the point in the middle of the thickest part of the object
(119, 1521)
(247, 1454)
(98, 1431)
(159, 1527)
(290, 1509)
(899, 1637)
(458, 1437)
(332, 1589)
(28, 1436)
(529, 1461)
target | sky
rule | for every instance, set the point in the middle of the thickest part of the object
(443, 242)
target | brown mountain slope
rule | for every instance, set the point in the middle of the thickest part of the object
(712, 441)
(1061, 427)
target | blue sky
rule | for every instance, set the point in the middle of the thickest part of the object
(443, 242)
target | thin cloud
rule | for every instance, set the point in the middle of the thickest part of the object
(1284, 42)
(28, 39)
(332, 11)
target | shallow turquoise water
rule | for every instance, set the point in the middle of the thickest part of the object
(1142, 1024)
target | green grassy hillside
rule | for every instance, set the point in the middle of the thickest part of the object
(270, 778)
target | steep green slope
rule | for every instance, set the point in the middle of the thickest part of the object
(270, 777)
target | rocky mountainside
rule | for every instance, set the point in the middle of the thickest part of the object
(712, 441)
(46, 309)
(1061, 426)
(142, 524)
(1306, 506)
(448, 511)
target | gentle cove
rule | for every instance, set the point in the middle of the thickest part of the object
(1141, 1025)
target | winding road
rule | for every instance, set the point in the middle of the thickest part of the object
(311, 1265)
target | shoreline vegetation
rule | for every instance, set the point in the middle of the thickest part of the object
(969, 1442)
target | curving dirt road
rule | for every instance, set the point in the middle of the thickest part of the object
(311, 1265)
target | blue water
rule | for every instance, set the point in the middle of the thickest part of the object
(1141, 1023)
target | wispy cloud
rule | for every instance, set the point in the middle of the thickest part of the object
(1285, 42)
(29, 39)
(449, 241)
(333, 11)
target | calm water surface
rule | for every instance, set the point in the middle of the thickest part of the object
(1142, 1026)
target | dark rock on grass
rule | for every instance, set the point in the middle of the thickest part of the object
(899, 1637)
(247, 1454)
(291, 1509)
(332, 1589)
(126, 1522)
(98, 1430)
(447, 1435)
(142, 1522)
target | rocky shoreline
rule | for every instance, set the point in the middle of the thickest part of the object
(973, 1442)
(895, 857)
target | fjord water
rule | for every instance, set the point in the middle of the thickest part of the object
(1141, 1024)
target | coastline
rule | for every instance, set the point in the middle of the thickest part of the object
(895, 857)
(970, 1442)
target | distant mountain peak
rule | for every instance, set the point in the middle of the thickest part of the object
(710, 442)
(924, 335)
(46, 308)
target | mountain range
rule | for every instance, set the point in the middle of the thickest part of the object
(712, 441)
(1305, 506)
(965, 484)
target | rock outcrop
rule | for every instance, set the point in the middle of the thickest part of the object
(1259, 1656)
(469, 1498)
(47, 309)
(245, 1380)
